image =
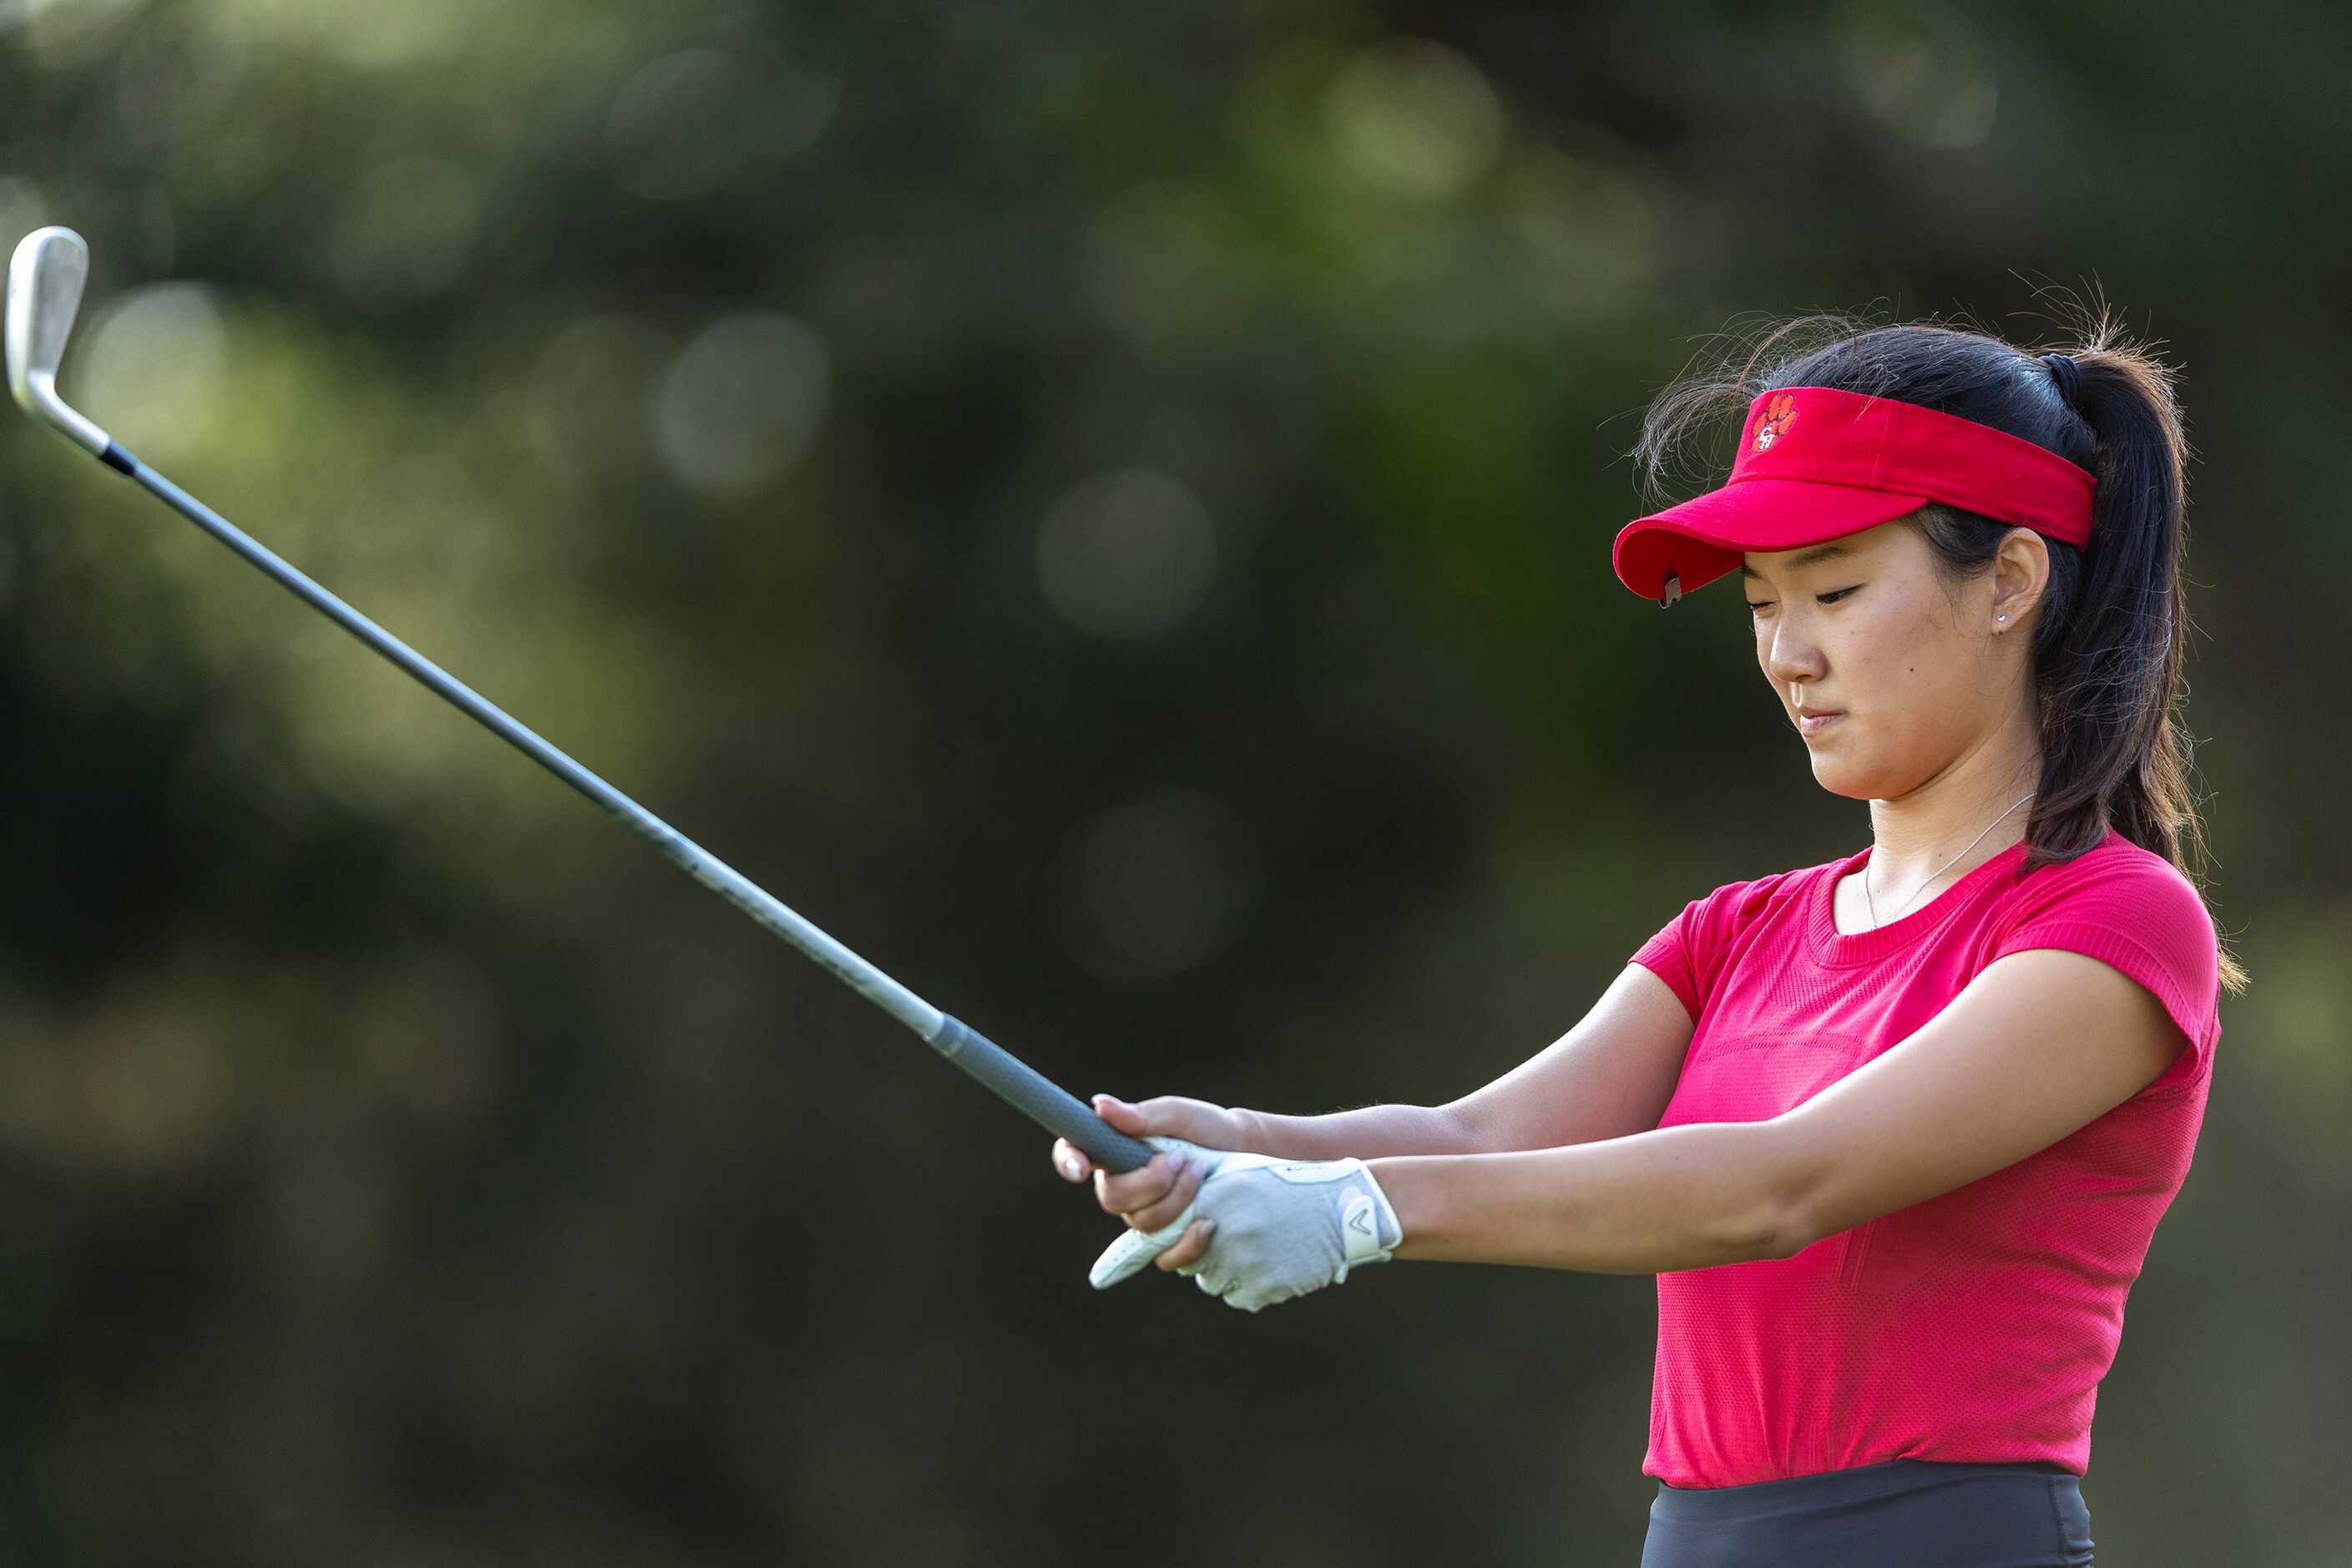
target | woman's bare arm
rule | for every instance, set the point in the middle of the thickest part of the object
(1611, 1075)
(2037, 1045)
(1608, 1075)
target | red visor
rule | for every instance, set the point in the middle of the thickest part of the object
(1815, 463)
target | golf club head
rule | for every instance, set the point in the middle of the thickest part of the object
(45, 283)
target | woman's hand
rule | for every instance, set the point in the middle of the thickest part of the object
(1299, 1225)
(1154, 1195)
(1292, 1227)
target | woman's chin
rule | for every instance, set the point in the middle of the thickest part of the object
(1841, 777)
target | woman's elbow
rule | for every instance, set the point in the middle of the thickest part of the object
(1758, 1232)
(1785, 1216)
(1787, 1234)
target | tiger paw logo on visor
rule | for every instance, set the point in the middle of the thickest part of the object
(1779, 414)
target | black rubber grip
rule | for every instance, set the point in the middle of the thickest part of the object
(1038, 1097)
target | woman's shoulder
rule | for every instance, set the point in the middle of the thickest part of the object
(2136, 911)
(2115, 880)
(2130, 907)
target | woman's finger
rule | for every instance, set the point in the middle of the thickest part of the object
(1190, 1246)
(1141, 1188)
(1164, 1211)
(1069, 1164)
(1126, 1118)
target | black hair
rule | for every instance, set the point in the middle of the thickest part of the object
(2109, 643)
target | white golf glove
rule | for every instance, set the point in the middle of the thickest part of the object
(1283, 1227)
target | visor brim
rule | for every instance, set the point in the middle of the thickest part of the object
(1709, 535)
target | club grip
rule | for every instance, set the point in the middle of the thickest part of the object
(1038, 1097)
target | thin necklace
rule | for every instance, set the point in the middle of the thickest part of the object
(1932, 875)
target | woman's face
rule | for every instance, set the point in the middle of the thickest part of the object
(1862, 627)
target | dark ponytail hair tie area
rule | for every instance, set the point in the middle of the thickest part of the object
(2069, 377)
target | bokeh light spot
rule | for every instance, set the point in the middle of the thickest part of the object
(175, 79)
(741, 402)
(383, 37)
(64, 33)
(1156, 261)
(678, 126)
(686, 124)
(1920, 72)
(1590, 225)
(1157, 886)
(22, 208)
(1414, 118)
(155, 362)
(1125, 554)
(404, 232)
(584, 410)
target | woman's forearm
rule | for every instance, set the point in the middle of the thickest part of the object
(1653, 1202)
(1369, 1132)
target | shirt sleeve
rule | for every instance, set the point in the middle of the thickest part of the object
(1668, 955)
(1688, 952)
(2144, 917)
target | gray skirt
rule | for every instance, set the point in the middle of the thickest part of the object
(1913, 1512)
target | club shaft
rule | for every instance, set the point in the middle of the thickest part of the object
(1018, 1084)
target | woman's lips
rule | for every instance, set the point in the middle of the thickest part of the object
(1818, 722)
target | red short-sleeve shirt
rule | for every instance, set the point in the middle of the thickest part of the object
(1974, 1326)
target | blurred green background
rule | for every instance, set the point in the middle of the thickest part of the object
(1106, 510)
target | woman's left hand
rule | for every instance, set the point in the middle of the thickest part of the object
(1274, 1229)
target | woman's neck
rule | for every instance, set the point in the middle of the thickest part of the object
(1950, 819)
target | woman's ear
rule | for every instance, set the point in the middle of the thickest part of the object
(2021, 570)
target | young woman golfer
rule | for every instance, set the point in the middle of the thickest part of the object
(1893, 1131)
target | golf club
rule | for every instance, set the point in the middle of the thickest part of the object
(45, 277)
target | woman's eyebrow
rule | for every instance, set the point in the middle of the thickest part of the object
(1826, 552)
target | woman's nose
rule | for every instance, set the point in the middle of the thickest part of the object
(1791, 656)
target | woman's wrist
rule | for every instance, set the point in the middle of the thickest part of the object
(1415, 1188)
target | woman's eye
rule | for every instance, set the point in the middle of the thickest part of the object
(1831, 597)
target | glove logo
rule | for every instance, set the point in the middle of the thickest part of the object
(1359, 1235)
